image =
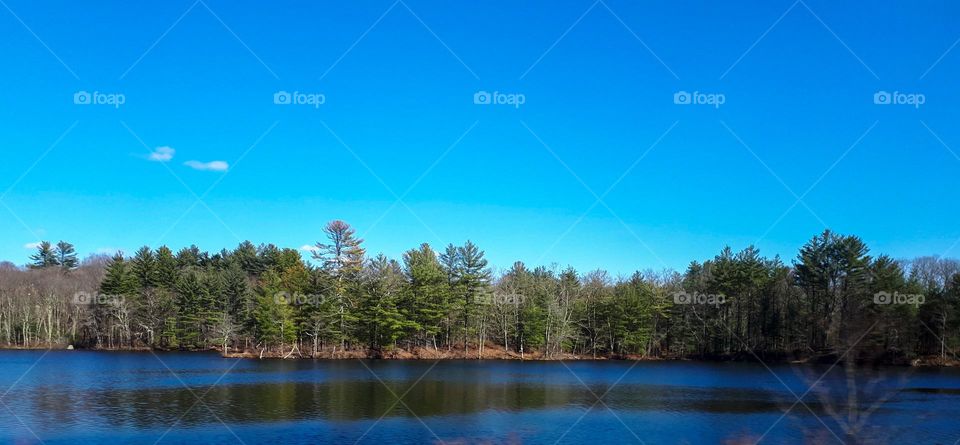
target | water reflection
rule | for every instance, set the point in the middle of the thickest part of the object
(97, 395)
(353, 400)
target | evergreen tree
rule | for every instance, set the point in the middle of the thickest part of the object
(192, 298)
(342, 258)
(166, 268)
(189, 257)
(382, 318)
(450, 259)
(45, 257)
(144, 266)
(474, 278)
(631, 315)
(249, 261)
(274, 315)
(833, 270)
(426, 301)
(67, 256)
(319, 321)
(237, 297)
(113, 307)
(119, 279)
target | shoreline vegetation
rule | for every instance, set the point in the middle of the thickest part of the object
(496, 352)
(833, 303)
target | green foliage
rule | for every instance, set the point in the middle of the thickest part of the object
(145, 268)
(44, 257)
(630, 312)
(119, 279)
(274, 315)
(67, 256)
(191, 311)
(427, 298)
(382, 318)
(268, 298)
(166, 268)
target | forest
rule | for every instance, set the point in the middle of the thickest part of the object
(832, 301)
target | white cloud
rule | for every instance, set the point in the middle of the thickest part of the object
(308, 248)
(162, 154)
(31, 246)
(217, 166)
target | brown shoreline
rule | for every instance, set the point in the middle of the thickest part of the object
(492, 353)
(489, 353)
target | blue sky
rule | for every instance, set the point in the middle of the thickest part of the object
(798, 119)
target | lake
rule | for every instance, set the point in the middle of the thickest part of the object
(69, 397)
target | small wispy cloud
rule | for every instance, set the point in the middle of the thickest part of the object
(161, 154)
(31, 246)
(216, 166)
(308, 248)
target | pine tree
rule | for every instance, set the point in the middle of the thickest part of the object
(166, 268)
(144, 266)
(427, 298)
(893, 321)
(631, 314)
(833, 271)
(190, 257)
(450, 259)
(45, 257)
(319, 320)
(191, 299)
(342, 258)
(113, 308)
(67, 256)
(474, 279)
(383, 321)
(274, 315)
(118, 279)
(237, 292)
(249, 261)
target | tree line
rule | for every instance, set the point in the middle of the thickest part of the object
(833, 300)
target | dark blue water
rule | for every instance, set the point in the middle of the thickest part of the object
(68, 397)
